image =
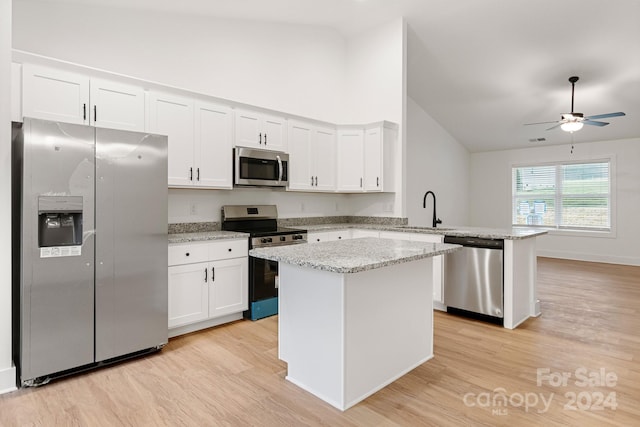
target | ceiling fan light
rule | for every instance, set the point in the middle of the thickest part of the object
(571, 126)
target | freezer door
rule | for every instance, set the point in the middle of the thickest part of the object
(474, 280)
(131, 242)
(56, 290)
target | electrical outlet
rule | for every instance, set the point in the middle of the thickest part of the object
(301, 207)
(337, 207)
(193, 209)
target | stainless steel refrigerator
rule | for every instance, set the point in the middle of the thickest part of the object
(90, 247)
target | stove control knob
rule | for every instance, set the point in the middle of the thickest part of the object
(269, 240)
(264, 240)
(297, 237)
(282, 238)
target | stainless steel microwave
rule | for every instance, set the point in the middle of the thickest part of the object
(260, 168)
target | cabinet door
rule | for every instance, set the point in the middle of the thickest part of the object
(373, 159)
(213, 151)
(274, 130)
(437, 264)
(228, 288)
(324, 155)
(300, 175)
(350, 159)
(56, 95)
(116, 105)
(188, 293)
(173, 116)
(248, 129)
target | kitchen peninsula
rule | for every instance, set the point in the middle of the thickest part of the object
(354, 315)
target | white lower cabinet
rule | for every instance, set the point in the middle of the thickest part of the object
(207, 280)
(328, 236)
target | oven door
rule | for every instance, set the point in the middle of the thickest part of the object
(263, 279)
(260, 168)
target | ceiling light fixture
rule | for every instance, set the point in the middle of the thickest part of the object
(571, 126)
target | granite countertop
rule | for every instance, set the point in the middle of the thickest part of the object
(482, 232)
(206, 235)
(354, 255)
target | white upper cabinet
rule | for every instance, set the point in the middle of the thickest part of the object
(373, 159)
(16, 92)
(300, 171)
(52, 94)
(350, 160)
(56, 95)
(259, 130)
(213, 148)
(365, 158)
(200, 152)
(116, 105)
(312, 156)
(174, 116)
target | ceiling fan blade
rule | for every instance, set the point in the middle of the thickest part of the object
(594, 123)
(604, 116)
(553, 127)
(540, 123)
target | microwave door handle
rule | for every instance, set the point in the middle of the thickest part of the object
(279, 168)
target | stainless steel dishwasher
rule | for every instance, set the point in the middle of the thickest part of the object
(473, 278)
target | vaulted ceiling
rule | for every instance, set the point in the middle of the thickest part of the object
(483, 68)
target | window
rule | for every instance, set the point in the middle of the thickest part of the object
(563, 195)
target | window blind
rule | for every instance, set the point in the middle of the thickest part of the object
(563, 195)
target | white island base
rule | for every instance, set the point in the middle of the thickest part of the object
(347, 335)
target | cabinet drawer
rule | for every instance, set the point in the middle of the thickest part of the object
(188, 253)
(226, 249)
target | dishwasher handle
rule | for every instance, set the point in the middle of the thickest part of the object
(475, 242)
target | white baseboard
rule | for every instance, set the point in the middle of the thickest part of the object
(609, 259)
(8, 380)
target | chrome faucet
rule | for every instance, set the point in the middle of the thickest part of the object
(424, 205)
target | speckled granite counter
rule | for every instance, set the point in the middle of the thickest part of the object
(352, 256)
(206, 235)
(486, 233)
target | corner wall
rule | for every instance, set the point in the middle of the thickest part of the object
(436, 162)
(7, 371)
(376, 84)
(491, 198)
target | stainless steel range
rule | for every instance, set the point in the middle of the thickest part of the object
(260, 221)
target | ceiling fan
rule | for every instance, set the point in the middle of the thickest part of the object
(571, 122)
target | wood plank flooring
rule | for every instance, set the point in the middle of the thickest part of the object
(482, 375)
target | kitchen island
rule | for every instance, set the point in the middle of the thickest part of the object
(354, 315)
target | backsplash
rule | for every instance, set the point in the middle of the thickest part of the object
(320, 220)
(193, 227)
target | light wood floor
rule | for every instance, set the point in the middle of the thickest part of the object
(231, 375)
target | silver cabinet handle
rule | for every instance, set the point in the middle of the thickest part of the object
(265, 139)
(316, 181)
(213, 274)
(360, 182)
(205, 275)
(312, 181)
(191, 174)
(198, 179)
(377, 181)
(260, 138)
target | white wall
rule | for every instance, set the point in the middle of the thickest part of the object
(491, 198)
(436, 162)
(291, 68)
(7, 371)
(204, 205)
(376, 89)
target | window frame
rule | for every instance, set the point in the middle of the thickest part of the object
(565, 230)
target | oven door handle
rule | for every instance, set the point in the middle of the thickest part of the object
(279, 168)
